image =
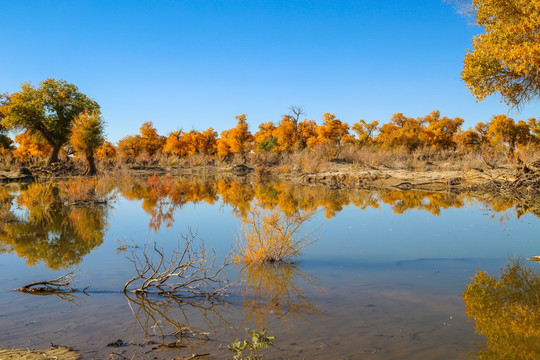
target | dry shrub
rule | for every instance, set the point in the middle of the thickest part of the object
(270, 236)
(308, 160)
(529, 154)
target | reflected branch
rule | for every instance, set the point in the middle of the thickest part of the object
(272, 288)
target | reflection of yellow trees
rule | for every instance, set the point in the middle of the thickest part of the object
(272, 290)
(506, 311)
(401, 201)
(53, 230)
(236, 194)
(162, 195)
(6, 200)
(68, 234)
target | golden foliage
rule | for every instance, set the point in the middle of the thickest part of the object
(151, 142)
(30, 147)
(365, 131)
(272, 237)
(236, 141)
(106, 151)
(506, 311)
(53, 230)
(287, 135)
(86, 136)
(505, 58)
(130, 147)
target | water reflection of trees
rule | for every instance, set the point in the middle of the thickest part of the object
(506, 310)
(275, 290)
(59, 224)
(162, 196)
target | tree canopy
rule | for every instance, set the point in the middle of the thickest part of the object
(505, 58)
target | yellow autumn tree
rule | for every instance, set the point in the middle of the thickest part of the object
(467, 140)
(264, 138)
(440, 131)
(174, 144)
(287, 134)
(129, 147)
(365, 131)
(208, 142)
(30, 147)
(87, 136)
(402, 131)
(505, 58)
(534, 127)
(151, 141)
(504, 132)
(331, 132)
(106, 151)
(236, 141)
(307, 131)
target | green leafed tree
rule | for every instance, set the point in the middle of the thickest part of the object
(49, 110)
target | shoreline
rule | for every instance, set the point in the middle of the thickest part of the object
(432, 177)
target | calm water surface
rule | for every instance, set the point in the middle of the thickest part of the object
(384, 280)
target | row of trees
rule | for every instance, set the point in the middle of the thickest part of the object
(431, 131)
(56, 117)
(504, 59)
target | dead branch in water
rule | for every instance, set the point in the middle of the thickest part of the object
(60, 285)
(189, 272)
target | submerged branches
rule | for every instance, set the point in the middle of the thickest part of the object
(189, 272)
(62, 287)
(62, 284)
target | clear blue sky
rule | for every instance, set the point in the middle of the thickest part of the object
(196, 64)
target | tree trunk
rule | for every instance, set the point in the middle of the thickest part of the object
(91, 171)
(53, 157)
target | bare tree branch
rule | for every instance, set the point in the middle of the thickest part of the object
(189, 272)
(60, 285)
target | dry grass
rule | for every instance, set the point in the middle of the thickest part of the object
(270, 236)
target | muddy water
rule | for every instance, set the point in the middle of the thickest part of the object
(384, 280)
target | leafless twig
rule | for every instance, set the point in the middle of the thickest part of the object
(189, 272)
(60, 285)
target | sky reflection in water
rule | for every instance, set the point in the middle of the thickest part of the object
(379, 251)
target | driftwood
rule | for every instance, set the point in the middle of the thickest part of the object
(189, 272)
(60, 285)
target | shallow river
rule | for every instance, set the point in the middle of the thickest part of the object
(384, 279)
